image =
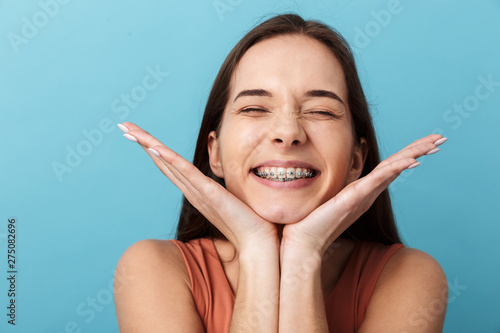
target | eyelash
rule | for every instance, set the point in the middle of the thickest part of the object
(325, 113)
(253, 109)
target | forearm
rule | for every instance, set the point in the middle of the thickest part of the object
(302, 307)
(257, 295)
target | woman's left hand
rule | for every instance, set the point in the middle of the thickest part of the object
(326, 223)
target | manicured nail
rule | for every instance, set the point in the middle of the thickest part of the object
(123, 128)
(130, 137)
(440, 141)
(154, 152)
(413, 165)
(433, 151)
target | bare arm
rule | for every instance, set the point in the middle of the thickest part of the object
(152, 290)
(259, 267)
(410, 296)
(302, 308)
(153, 294)
(257, 296)
(305, 242)
(255, 240)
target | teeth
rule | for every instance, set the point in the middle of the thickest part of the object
(272, 173)
(299, 173)
(283, 174)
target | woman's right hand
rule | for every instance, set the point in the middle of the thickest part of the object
(238, 222)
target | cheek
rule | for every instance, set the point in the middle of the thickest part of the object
(338, 160)
(238, 147)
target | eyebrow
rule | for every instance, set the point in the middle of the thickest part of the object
(310, 93)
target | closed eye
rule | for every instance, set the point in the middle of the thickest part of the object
(319, 113)
(253, 109)
(325, 113)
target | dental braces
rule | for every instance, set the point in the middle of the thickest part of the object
(281, 173)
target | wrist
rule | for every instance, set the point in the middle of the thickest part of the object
(296, 247)
(300, 262)
(259, 254)
(301, 255)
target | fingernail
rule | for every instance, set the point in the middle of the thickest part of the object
(154, 152)
(433, 151)
(130, 137)
(123, 128)
(413, 165)
(440, 141)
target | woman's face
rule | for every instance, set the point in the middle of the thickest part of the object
(287, 111)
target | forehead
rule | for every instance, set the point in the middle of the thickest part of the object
(292, 62)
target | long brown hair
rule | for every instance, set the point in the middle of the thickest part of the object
(377, 223)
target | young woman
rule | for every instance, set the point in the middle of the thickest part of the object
(286, 222)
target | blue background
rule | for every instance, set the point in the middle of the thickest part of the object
(65, 77)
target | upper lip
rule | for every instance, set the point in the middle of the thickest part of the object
(286, 164)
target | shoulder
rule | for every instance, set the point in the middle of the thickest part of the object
(153, 249)
(409, 259)
(152, 260)
(411, 294)
(412, 267)
(152, 289)
(155, 257)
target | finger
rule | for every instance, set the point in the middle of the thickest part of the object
(430, 141)
(432, 138)
(174, 176)
(186, 171)
(210, 198)
(198, 188)
(360, 194)
(143, 138)
(380, 178)
(338, 213)
(211, 194)
(146, 140)
(190, 176)
(424, 146)
(131, 126)
(206, 195)
(414, 151)
(356, 198)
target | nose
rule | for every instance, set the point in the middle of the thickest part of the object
(287, 131)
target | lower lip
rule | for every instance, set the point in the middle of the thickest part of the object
(302, 182)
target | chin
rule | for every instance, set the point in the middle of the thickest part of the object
(281, 215)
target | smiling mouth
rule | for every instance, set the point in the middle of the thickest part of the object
(278, 174)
